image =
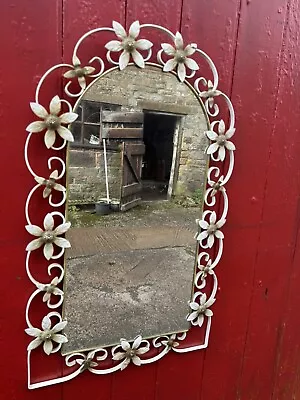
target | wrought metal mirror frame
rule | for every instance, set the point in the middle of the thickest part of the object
(176, 59)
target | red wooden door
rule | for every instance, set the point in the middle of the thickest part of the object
(254, 350)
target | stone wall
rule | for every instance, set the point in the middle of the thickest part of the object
(86, 175)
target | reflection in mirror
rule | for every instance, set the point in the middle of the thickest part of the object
(136, 175)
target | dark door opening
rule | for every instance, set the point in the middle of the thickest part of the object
(158, 136)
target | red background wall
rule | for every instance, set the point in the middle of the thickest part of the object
(254, 345)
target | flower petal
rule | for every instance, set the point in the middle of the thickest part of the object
(34, 344)
(114, 45)
(82, 82)
(134, 29)
(124, 60)
(168, 49)
(48, 222)
(40, 180)
(46, 192)
(211, 240)
(203, 235)
(55, 105)
(192, 316)
(200, 320)
(46, 297)
(143, 44)
(136, 360)
(142, 350)
(211, 135)
(181, 71)
(170, 65)
(212, 218)
(178, 40)
(62, 228)
(34, 230)
(137, 342)
(68, 117)
(48, 346)
(65, 134)
(89, 70)
(70, 74)
(189, 50)
(194, 306)
(222, 153)
(36, 126)
(203, 299)
(125, 363)
(46, 323)
(119, 356)
(61, 242)
(48, 250)
(33, 331)
(49, 138)
(229, 145)
(191, 64)
(59, 338)
(54, 174)
(75, 60)
(34, 244)
(212, 148)
(39, 110)
(208, 313)
(138, 59)
(203, 224)
(125, 344)
(59, 187)
(59, 326)
(230, 133)
(219, 235)
(221, 127)
(119, 30)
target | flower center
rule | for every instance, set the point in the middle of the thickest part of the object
(48, 236)
(129, 45)
(180, 56)
(130, 353)
(50, 183)
(46, 335)
(52, 122)
(221, 140)
(217, 186)
(211, 229)
(79, 71)
(201, 309)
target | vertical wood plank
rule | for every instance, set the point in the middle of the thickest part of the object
(30, 44)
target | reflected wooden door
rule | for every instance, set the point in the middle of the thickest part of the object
(132, 159)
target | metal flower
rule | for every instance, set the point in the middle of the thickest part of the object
(129, 44)
(180, 57)
(50, 289)
(87, 362)
(48, 236)
(171, 343)
(216, 186)
(131, 353)
(210, 94)
(47, 335)
(200, 310)
(52, 122)
(211, 229)
(221, 140)
(79, 72)
(206, 270)
(50, 183)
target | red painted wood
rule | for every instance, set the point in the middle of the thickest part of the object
(254, 350)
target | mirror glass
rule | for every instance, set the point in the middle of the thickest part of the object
(136, 177)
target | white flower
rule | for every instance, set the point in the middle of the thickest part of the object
(211, 229)
(50, 183)
(221, 141)
(130, 353)
(216, 186)
(79, 72)
(210, 93)
(52, 122)
(46, 335)
(171, 343)
(180, 57)
(205, 270)
(129, 44)
(200, 310)
(48, 236)
(87, 362)
(50, 289)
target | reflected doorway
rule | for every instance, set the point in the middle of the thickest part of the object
(160, 139)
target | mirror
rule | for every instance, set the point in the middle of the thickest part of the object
(135, 181)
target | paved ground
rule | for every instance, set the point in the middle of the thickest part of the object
(130, 278)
